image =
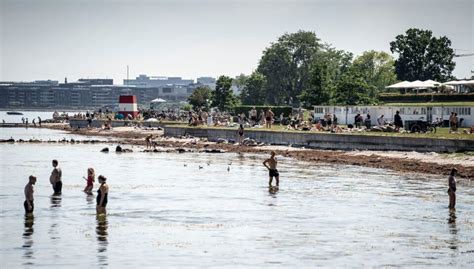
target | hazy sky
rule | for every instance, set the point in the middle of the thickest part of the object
(52, 39)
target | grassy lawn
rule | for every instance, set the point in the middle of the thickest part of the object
(442, 133)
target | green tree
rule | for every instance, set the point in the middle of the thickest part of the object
(286, 65)
(200, 98)
(353, 90)
(422, 56)
(239, 82)
(326, 70)
(253, 91)
(377, 69)
(223, 98)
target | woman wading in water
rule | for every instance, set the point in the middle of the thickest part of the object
(90, 180)
(102, 194)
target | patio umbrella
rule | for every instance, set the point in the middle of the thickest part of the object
(158, 100)
(399, 85)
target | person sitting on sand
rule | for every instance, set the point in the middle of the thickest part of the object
(452, 188)
(28, 204)
(102, 194)
(90, 180)
(271, 164)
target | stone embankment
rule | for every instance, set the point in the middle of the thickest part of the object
(329, 141)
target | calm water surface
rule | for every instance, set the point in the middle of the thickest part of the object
(30, 115)
(164, 211)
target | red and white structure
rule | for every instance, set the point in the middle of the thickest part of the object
(128, 105)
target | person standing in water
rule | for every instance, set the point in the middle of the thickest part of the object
(55, 178)
(28, 204)
(271, 164)
(452, 188)
(90, 181)
(102, 194)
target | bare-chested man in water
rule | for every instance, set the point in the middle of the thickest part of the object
(28, 204)
(271, 164)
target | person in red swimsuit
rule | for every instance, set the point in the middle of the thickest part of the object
(90, 180)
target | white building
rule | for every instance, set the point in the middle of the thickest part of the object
(346, 114)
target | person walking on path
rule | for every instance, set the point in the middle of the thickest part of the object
(55, 178)
(102, 194)
(28, 204)
(271, 165)
(452, 188)
(90, 181)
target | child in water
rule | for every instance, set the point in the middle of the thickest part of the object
(90, 180)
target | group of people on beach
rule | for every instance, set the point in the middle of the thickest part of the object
(56, 182)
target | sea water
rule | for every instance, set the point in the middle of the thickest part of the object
(203, 210)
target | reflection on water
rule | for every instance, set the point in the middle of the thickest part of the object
(56, 200)
(453, 230)
(90, 199)
(101, 231)
(28, 239)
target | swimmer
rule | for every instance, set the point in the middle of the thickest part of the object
(28, 204)
(102, 194)
(90, 180)
(452, 188)
(271, 165)
(55, 178)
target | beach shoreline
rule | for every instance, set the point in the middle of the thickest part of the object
(411, 162)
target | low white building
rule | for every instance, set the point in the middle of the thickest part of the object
(346, 114)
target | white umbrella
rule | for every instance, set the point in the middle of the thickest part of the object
(417, 84)
(399, 85)
(151, 119)
(431, 83)
(455, 82)
(158, 100)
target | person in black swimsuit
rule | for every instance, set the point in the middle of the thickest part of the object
(240, 132)
(452, 188)
(102, 194)
(271, 164)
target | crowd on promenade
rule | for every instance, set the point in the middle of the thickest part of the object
(265, 118)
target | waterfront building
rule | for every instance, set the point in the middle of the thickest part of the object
(346, 114)
(206, 81)
(156, 81)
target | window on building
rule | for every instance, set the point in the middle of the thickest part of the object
(167, 90)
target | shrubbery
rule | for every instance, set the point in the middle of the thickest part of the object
(425, 97)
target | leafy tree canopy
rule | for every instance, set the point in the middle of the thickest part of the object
(422, 56)
(223, 98)
(200, 98)
(253, 91)
(377, 69)
(286, 66)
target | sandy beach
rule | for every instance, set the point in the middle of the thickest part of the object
(412, 162)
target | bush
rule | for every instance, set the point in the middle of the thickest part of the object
(425, 97)
(277, 110)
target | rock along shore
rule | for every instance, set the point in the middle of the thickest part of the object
(414, 162)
